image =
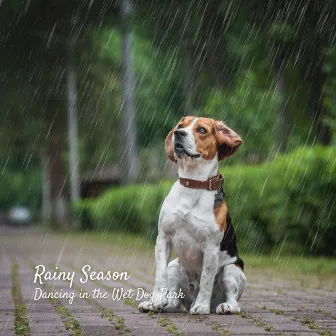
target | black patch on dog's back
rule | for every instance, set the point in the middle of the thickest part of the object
(228, 242)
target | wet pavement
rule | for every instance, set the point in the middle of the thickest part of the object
(270, 305)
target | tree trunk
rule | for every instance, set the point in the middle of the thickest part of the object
(316, 79)
(46, 192)
(189, 83)
(60, 203)
(56, 173)
(189, 69)
(130, 155)
(316, 83)
(73, 130)
(277, 56)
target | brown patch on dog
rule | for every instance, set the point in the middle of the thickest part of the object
(169, 145)
(220, 215)
(206, 144)
(228, 140)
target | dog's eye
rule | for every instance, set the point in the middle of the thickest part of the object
(201, 130)
(180, 126)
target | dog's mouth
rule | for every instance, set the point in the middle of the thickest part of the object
(180, 151)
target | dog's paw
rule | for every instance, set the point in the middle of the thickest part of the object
(146, 306)
(156, 305)
(227, 308)
(159, 301)
(173, 306)
(200, 309)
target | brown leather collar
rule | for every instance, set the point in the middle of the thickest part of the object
(212, 183)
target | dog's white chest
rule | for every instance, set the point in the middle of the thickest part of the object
(187, 216)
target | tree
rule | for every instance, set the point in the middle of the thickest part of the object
(299, 33)
(287, 36)
(72, 114)
(130, 152)
(33, 55)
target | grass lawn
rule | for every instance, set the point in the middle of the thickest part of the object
(307, 272)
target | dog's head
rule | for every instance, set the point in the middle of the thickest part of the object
(201, 138)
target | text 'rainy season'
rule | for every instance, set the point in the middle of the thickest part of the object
(41, 275)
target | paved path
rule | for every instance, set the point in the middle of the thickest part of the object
(271, 305)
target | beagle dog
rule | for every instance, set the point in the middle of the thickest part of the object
(194, 220)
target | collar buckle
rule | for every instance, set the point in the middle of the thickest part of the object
(215, 178)
(219, 182)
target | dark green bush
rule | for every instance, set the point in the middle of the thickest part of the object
(81, 212)
(287, 205)
(283, 206)
(130, 209)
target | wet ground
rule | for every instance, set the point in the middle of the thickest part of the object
(270, 305)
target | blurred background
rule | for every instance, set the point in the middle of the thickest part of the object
(89, 90)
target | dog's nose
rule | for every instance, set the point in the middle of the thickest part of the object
(180, 133)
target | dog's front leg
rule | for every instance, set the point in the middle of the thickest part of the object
(162, 256)
(209, 270)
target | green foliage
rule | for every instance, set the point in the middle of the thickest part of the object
(17, 188)
(249, 109)
(158, 90)
(287, 205)
(132, 209)
(282, 31)
(330, 92)
(244, 44)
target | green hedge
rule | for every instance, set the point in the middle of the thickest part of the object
(285, 206)
(132, 209)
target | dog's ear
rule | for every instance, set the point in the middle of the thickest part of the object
(228, 140)
(169, 145)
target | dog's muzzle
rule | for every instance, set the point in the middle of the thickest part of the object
(180, 151)
(179, 147)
